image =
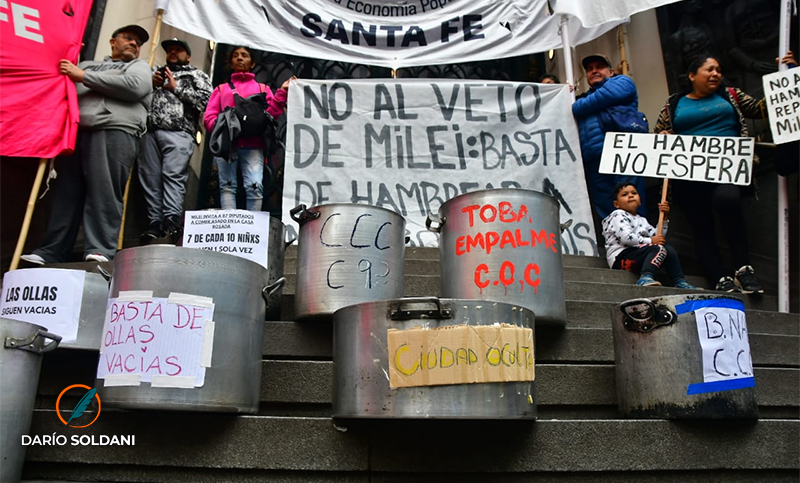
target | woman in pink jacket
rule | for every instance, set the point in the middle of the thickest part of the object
(250, 151)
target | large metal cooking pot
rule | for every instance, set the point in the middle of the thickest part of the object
(275, 256)
(683, 357)
(361, 361)
(93, 311)
(503, 245)
(347, 254)
(239, 289)
(20, 363)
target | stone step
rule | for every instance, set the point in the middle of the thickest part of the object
(166, 439)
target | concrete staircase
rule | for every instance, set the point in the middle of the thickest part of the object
(579, 436)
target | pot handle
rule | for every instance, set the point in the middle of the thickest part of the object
(304, 215)
(642, 315)
(439, 221)
(102, 271)
(566, 225)
(272, 288)
(294, 239)
(26, 344)
(396, 312)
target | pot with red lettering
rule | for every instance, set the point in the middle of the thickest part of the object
(683, 357)
(347, 254)
(503, 245)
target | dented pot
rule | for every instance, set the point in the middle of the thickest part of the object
(683, 357)
(503, 245)
(433, 338)
(347, 254)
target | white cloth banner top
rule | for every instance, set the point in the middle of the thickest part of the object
(382, 32)
(594, 13)
(411, 145)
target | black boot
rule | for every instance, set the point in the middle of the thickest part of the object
(155, 231)
(174, 229)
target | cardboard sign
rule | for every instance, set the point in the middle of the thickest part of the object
(146, 338)
(411, 145)
(782, 93)
(236, 232)
(716, 159)
(460, 354)
(48, 297)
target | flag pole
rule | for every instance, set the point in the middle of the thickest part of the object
(26, 222)
(567, 50)
(622, 54)
(151, 60)
(664, 189)
(783, 186)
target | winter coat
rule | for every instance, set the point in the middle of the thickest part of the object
(180, 109)
(618, 90)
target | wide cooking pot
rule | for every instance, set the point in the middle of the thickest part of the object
(347, 254)
(238, 289)
(20, 362)
(447, 335)
(503, 245)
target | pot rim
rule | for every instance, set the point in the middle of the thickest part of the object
(525, 192)
(350, 205)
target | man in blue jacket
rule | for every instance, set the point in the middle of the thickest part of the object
(606, 91)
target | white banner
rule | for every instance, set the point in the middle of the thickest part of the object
(782, 93)
(716, 159)
(384, 33)
(49, 297)
(601, 12)
(236, 232)
(411, 145)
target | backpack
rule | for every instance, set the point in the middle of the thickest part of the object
(252, 113)
(624, 119)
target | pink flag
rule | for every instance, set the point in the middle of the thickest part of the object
(38, 106)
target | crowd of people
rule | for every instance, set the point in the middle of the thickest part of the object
(129, 110)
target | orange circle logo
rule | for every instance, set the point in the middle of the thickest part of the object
(80, 407)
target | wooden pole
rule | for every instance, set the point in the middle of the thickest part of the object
(26, 222)
(622, 55)
(151, 60)
(664, 189)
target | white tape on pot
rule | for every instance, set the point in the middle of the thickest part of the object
(135, 296)
(184, 382)
(208, 343)
(188, 299)
(116, 380)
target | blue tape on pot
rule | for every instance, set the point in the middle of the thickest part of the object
(717, 386)
(692, 305)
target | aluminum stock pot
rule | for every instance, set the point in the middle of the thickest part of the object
(370, 350)
(23, 344)
(503, 245)
(347, 254)
(275, 256)
(93, 311)
(238, 289)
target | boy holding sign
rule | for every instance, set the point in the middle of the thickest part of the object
(632, 243)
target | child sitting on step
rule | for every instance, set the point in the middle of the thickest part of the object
(632, 243)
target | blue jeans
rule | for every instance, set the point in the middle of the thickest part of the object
(252, 161)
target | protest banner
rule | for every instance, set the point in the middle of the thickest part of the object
(148, 337)
(411, 145)
(716, 159)
(48, 297)
(782, 94)
(236, 232)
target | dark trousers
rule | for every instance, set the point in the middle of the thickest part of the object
(648, 259)
(703, 204)
(89, 187)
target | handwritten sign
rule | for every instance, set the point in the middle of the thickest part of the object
(716, 159)
(236, 232)
(153, 337)
(460, 354)
(45, 296)
(782, 93)
(411, 145)
(722, 329)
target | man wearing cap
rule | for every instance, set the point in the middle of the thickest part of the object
(113, 96)
(180, 95)
(606, 91)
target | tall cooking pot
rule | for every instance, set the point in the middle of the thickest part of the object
(239, 290)
(503, 245)
(364, 360)
(93, 311)
(20, 362)
(347, 254)
(275, 256)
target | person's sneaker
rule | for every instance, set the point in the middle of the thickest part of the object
(746, 280)
(647, 280)
(726, 284)
(96, 257)
(156, 230)
(682, 283)
(33, 258)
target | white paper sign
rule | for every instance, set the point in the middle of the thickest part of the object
(236, 232)
(411, 145)
(49, 297)
(155, 338)
(716, 159)
(782, 93)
